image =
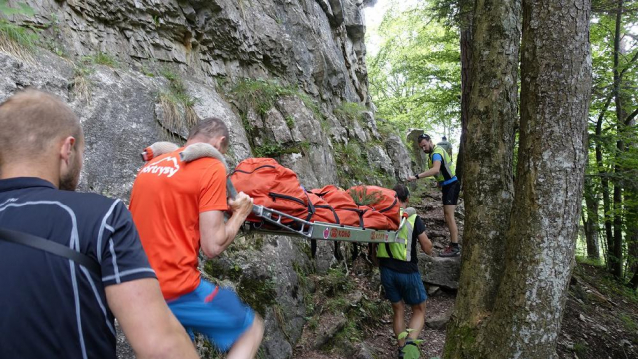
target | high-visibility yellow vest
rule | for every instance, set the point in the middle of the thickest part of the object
(445, 171)
(400, 251)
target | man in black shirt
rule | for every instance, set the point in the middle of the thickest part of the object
(52, 306)
(400, 274)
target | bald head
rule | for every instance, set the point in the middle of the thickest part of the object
(33, 123)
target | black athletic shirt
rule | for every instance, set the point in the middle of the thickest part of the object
(402, 266)
(49, 306)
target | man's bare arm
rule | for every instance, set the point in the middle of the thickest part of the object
(425, 242)
(216, 235)
(436, 167)
(148, 323)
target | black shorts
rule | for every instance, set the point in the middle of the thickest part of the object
(451, 193)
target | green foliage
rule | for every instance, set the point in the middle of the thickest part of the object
(262, 95)
(580, 348)
(336, 282)
(352, 111)
(353, 167)
(14, 39)
(629, 322)
(259, 293)
(415, 76)
(268, 149)
(611, 125)
(101, 58)
(22, 9)
(363, 197)
(352, 163)
(290, 122)
(593, 262)
(177, 105)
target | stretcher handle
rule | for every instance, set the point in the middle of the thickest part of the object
(230, 189)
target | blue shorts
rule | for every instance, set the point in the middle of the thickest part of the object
(403, 286)
(215, 312)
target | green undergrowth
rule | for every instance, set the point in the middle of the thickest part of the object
(276, 149)
(334, 297)
(260, 96)
(351, 111)
(14, 39)
(177, 105)
(353, 167)
(605, 283)
(101, 58)
(258, 292)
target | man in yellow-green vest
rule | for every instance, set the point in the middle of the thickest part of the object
(440, 164)
(400, 274)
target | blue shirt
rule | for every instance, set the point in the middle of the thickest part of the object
(49, 306)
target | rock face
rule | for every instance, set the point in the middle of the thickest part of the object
(141, 71)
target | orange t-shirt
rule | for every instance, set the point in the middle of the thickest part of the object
(168, 196)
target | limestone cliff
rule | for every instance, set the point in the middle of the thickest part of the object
(288, 78)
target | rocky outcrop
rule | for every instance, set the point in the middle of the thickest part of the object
(443, 272)
(140, 71)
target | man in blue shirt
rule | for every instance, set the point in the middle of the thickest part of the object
(53, 307)
(440, 162)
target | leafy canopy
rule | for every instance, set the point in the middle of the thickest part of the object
(415, 76)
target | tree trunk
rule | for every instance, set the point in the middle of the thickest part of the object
(513, 309)
(487, 169)
(631, 198)
(617, 255)
(604, 183)
(590, 220)
(555, 93)
(466, 81)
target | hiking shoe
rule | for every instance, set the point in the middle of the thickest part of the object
(451, 252)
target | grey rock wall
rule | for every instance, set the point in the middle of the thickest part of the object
(314, 46)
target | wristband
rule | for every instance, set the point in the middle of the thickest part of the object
(417, 176)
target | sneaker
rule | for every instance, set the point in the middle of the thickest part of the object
(451, 252)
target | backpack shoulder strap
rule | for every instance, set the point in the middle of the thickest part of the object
(46, 245)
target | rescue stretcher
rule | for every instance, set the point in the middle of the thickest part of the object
(272, 223)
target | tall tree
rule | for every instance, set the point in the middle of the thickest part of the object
(615, 54)
(487, 179)
(521, 296)
(590, 218)
(617, 250)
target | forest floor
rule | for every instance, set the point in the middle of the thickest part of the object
(350, 318)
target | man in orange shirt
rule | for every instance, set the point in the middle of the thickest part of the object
(178, 208)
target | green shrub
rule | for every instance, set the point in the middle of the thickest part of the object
(177, 105)
(101, 58)
(290, 122)
(268, 149)
(351, 111)
(261, 95)
(14, 39)
(81, 82)
(18, 40)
